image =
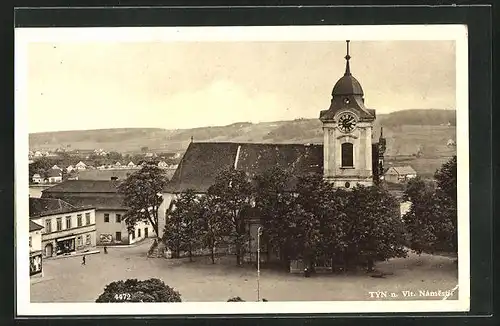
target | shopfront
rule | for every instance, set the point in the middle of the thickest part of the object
(65, 245)
(35, 264)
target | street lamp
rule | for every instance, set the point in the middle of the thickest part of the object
(259, 233)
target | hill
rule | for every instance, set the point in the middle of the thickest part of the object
(409, 133)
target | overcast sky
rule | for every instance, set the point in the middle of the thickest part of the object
(74, 86)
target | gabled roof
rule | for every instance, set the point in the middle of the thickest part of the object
(100, 203)
(49, 206)
(401, 170)
(203, 161)
(84, 186)
(34, 226)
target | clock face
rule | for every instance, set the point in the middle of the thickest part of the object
(347, 122)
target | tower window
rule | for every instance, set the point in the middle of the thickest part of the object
(347, 155)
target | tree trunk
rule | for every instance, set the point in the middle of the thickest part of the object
(190, 253)
(212, 254)
(238, 254)
(370, 265)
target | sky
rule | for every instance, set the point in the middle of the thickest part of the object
(177, 85)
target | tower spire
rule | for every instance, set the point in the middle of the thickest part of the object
(347, 58)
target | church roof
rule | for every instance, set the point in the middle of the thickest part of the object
(203, 161)
(347, 85)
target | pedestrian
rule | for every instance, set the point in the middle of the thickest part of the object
(83, 260)
(105, 249)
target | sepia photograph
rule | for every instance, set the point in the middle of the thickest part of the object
(318, 169)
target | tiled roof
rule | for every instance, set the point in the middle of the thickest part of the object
(85, 186)
(203, 161)
(50, 206)
(100, 203)
(34, 226)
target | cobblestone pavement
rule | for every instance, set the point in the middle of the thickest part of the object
(66, 280)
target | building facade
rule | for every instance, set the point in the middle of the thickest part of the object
(66, 228)
(35, 245)
(110, 224)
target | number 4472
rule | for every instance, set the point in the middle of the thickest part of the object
(122, 296)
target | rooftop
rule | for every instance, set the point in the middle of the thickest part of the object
(34, 226)
(39, 207)
(203, 161)
(85, 186)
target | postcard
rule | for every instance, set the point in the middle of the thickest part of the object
(241, 170)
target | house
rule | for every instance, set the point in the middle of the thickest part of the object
(347, 157)
(162, 165)
(118, 165)
(81, 166)
(131, 165)
(37, 178)
(54, 176)
(451, 143)
(35, 244)
(111, 226)
(38, 154)
(70, 168)
(397, 174)
(55, 167)
(66, 228)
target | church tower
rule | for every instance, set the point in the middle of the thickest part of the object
(347, 134)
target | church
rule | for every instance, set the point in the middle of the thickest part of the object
(347, 157)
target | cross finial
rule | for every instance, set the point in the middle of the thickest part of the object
(192, 138)
(347, 57)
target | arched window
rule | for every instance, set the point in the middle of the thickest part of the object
(347, 155)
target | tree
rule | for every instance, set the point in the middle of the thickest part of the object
(142, 195)
(132, 290)
(326, 206)
(375, 230)
(446, 178)
(233, 191)
(432, 219)
(214, 226)
(235, 299)
(115, 156)
(41, 166)
(184, 228)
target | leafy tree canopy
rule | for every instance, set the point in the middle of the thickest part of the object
(132, 290)
(142, 195)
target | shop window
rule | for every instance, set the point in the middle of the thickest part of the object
(48, 226)
(87, 218)
(79, 241)
(79, 221)
(59, 223)
(106, 218)
(118, 236)
(88, 239)
(138, 233)
(118, 218)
